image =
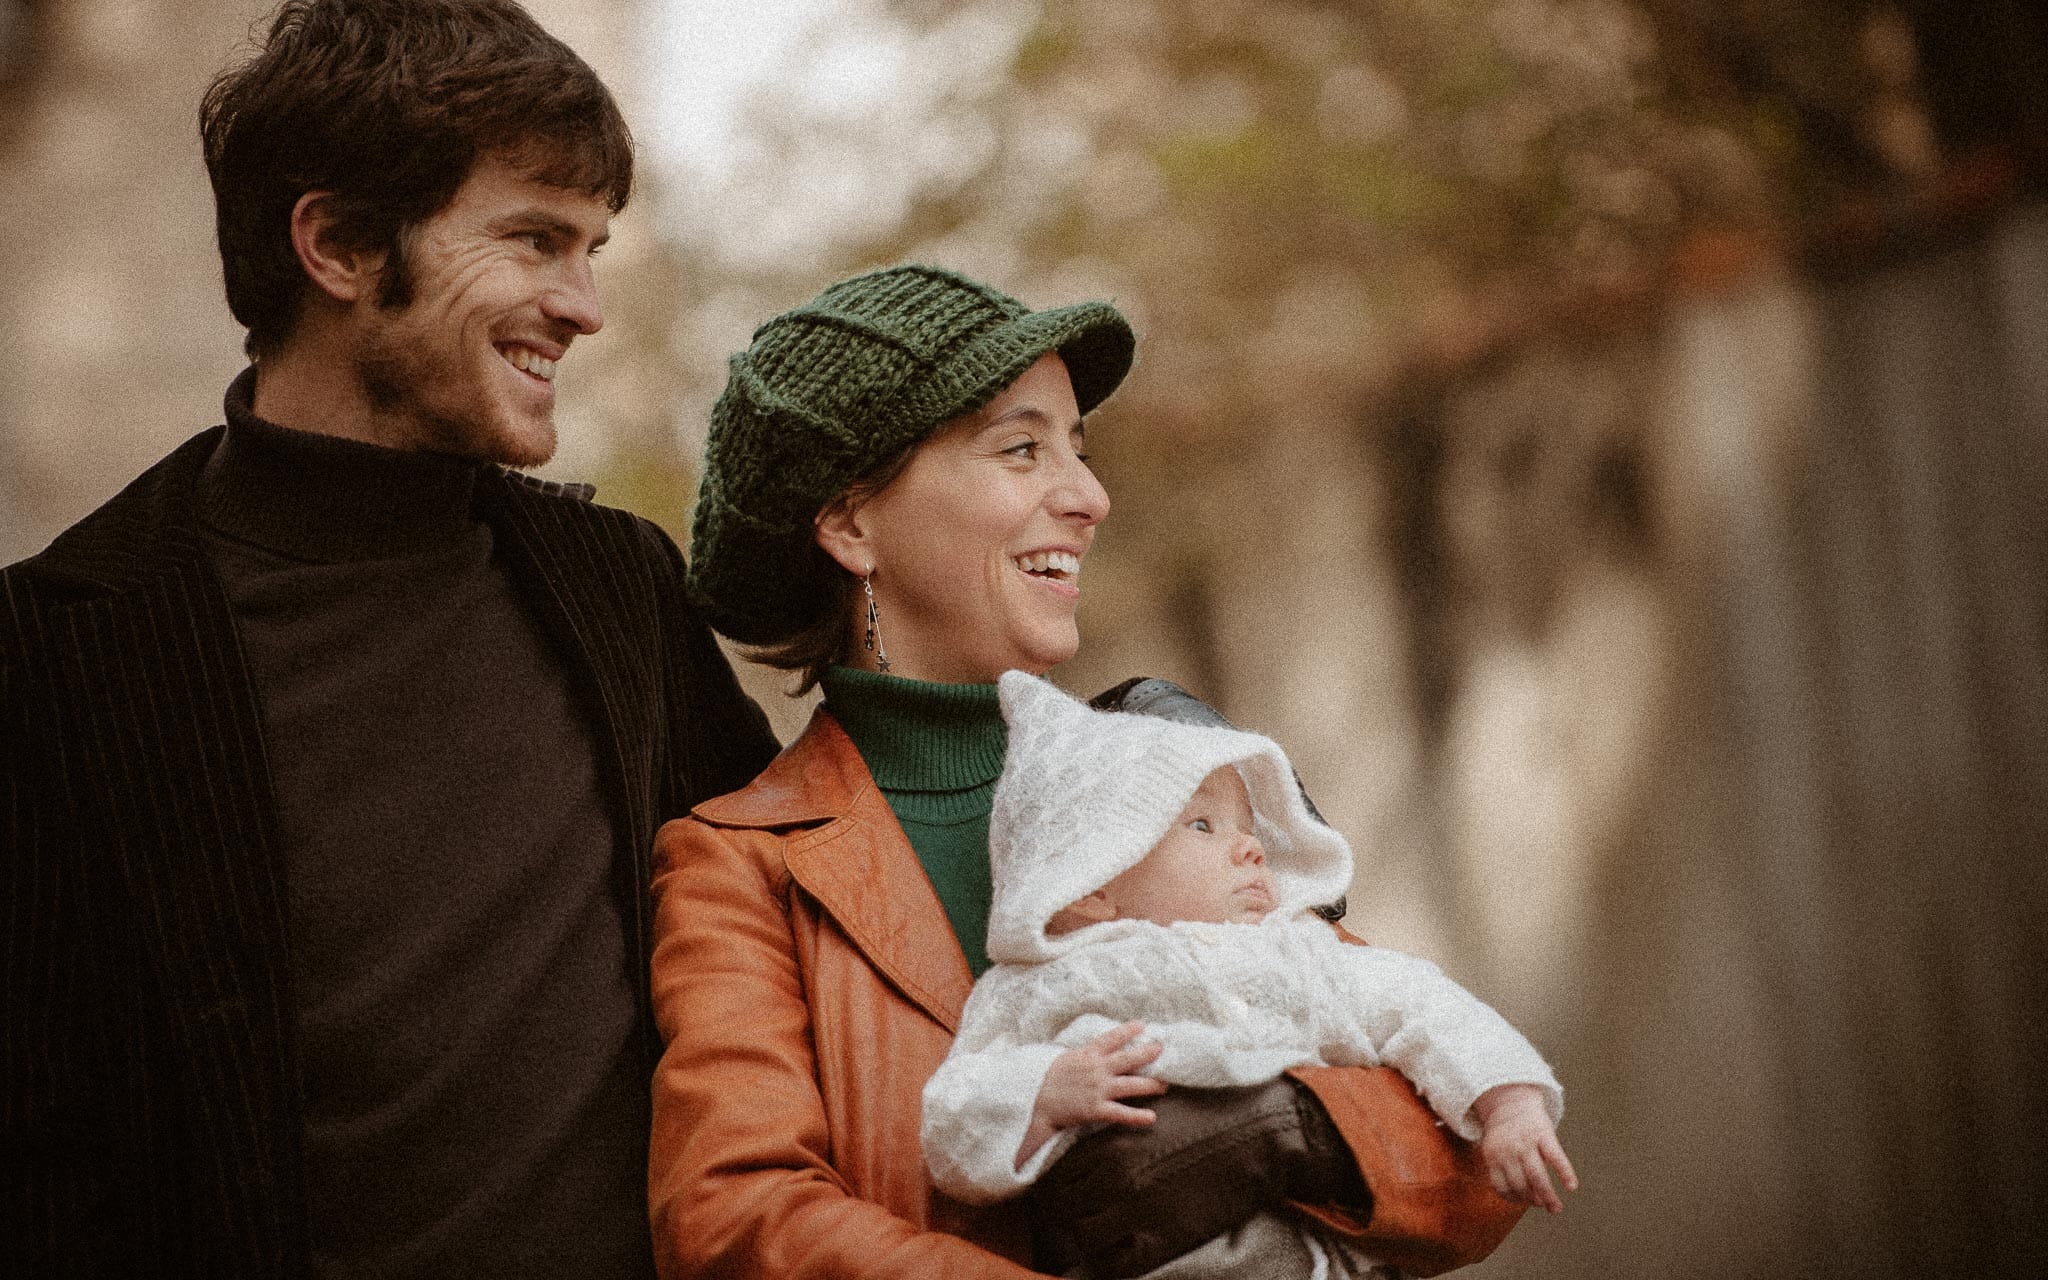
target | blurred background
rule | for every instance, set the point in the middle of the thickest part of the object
(1602, 439)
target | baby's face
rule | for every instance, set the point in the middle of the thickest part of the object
(1208, 867)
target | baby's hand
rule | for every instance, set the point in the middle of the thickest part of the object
(1082, 1087)
(1518, 1142)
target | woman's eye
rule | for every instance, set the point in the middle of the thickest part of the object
(1024, 449)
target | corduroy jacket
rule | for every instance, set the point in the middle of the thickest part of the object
(807, 984)
(149, 1105)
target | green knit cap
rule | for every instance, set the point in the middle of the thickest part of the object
(832, 389)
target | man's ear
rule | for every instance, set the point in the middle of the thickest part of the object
(840, 532)
(343, 273)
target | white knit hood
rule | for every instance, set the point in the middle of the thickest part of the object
(1085, 794)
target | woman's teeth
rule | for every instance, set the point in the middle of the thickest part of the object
(526, 361)
(1064, 565)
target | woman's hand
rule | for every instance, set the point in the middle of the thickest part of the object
(1082, 1086)
(1518, 1142)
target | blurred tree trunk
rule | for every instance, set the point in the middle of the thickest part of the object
(1823, 997)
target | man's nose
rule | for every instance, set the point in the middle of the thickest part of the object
(574, 300)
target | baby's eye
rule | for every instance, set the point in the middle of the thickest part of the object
(1201, 824)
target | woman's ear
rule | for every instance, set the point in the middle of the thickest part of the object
(840, 533)
(342, 273)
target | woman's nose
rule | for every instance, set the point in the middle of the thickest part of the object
(1080, 496)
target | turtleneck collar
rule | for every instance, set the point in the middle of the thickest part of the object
(326, 500)
(918, 736)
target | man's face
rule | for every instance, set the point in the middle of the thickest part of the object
(501, 284)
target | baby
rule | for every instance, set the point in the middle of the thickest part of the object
(1153, 879)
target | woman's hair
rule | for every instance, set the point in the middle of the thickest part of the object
(824, 642)
(389, 104)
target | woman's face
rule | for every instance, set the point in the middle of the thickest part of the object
(976, 548)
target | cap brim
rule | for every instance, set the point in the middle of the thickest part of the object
(1092, 339)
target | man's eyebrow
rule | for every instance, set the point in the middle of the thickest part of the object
(541, 220)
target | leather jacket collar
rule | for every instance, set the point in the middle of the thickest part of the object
(857, 863)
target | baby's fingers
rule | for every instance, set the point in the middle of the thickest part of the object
(1553, 1153)
(1502, 1173)
(1133, 1087)
(1133, 1054)
(1537, 1179)
(1116, 1038)
(1117, 1113)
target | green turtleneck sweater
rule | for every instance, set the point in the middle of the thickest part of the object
(935, 751)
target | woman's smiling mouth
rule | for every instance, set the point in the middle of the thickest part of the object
(1055, 566)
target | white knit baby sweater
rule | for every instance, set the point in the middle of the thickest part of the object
(1231, 1004)
(1086, 794)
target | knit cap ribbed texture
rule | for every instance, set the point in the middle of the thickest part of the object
(1085, 794)
(830, 390)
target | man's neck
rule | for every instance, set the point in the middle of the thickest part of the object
(312, 385)
(320, 499)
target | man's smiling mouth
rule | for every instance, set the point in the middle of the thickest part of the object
(527, 360)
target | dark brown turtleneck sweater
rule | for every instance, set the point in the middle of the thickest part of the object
(476, 1090)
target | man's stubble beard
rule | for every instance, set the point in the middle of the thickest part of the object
(393, 374)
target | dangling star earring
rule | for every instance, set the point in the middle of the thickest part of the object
(874, 636)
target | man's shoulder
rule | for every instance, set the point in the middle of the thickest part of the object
(149, 523)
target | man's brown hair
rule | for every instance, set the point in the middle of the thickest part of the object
(389, 104)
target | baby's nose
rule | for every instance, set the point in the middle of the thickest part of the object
(1251, 853)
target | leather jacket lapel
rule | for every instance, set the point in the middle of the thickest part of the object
(858, 865)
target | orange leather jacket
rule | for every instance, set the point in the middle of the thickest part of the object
(807, 984)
